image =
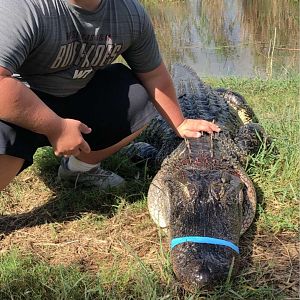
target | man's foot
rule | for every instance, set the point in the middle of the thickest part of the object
(95, 177)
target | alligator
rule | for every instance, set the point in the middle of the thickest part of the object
(201, 193)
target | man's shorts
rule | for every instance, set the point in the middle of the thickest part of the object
(114, 104)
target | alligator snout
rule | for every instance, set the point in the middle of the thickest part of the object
(200, 278)
(203, 266)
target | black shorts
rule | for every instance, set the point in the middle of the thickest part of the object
(114, 104)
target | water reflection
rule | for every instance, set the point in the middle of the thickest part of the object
(230, 37)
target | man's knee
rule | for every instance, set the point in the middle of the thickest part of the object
(9, 168)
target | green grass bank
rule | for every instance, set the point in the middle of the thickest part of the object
(60, 243)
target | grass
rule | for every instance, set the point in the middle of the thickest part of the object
(59, 243)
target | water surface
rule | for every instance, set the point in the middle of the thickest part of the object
(229, 37)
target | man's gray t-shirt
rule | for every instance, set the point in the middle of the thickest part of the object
(57, 47)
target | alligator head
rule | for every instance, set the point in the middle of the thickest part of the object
(200, 198)
(205, 225)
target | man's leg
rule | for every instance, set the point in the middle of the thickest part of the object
(95, 175)
(9, 168)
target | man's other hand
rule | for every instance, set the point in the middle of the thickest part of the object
(68, 139)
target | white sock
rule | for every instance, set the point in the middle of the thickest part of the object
(77, 165)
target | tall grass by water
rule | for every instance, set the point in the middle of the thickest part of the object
(60, 243)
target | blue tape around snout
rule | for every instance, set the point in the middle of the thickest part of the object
(204, 240)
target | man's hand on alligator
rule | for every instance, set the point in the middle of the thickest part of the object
(191, 128)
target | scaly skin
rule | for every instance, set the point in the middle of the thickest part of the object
(201, 188)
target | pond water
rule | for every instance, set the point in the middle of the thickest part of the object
(229, 37)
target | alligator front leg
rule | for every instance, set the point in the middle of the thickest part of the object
(251, 137)
(140, 151)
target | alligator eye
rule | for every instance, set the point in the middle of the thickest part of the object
(187, 188)
(225, 178)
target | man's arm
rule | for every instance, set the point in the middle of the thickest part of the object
(20, 106)
(160, 86)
